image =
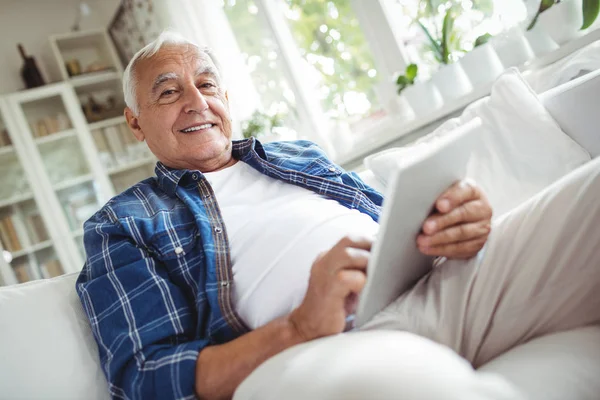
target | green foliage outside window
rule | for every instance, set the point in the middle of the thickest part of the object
(330, 38)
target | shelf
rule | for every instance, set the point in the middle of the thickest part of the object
(31, 249)
(91, 78)
(15, 199)
(107, 122)
(131, 165)
(56, 136)
(74, 36)
(6, 150)
(73, 182)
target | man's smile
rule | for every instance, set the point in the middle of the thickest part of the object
(199, 127)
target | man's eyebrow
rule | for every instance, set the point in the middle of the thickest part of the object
(162, 78)
(207, 70)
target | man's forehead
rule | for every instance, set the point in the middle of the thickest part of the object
(173, 60)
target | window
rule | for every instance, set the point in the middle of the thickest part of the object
(261, 56)
(341, 66)
(331, 62)
(326, 64)
(476, 18)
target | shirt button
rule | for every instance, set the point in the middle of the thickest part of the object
(224, 283)
(195, 177)
(178, 250)
(331, 169)
(303, 180)
(218, 229)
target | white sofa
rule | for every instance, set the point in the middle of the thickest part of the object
(47, 349)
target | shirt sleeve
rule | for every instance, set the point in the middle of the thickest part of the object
(353, 179)
(144, 324)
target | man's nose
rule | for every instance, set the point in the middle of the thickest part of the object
(195, 101)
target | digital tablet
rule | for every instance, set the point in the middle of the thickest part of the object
(396, 263)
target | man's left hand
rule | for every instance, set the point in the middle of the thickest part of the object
(459, 225)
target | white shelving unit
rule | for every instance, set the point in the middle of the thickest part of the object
(65, 149)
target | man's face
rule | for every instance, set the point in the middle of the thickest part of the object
(183, 110)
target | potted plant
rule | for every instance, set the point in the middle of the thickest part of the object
(482, 64)
(422, 97)
(564, 20)
(262, 125)
(450, 79)
(512, 47)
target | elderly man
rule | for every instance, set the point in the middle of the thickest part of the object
(237, 251)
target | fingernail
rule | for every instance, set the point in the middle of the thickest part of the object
(444, 204)
(430, 225)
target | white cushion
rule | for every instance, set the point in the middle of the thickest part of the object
(375, 365)
(563, 365)
(47, 349)
(521, 151)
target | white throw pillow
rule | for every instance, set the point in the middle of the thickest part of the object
(47, 349)
(522, 149)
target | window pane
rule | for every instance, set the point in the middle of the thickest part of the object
(261, 56)
(475, 18)
(330, 39)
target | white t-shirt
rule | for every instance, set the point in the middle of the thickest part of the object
(276, 230)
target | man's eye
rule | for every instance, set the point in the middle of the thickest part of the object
(167, 92)
(207, 85)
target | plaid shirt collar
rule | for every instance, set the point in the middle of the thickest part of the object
(169, 178)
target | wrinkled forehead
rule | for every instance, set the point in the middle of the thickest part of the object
(173, 61)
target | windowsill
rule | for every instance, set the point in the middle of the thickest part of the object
(388, 130)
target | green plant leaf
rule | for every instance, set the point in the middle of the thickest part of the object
(411, 72)
(483, 39)
(544, 5)
(437, 49)
(590, 9)
(447, 29)
(402, 80)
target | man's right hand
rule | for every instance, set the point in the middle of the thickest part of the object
(336, 279)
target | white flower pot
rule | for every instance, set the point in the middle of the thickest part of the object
(482, 65)
(394, 105)
(512, 48)
(562, 21)
(540, 41)
(452, 82)
(423, 98)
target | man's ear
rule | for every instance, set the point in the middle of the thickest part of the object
(133, 123)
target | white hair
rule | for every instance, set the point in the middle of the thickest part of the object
(164, 39)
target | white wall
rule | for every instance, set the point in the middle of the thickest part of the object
(31, 22)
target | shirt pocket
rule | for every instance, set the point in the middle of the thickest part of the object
(174, 242)
(322, 168)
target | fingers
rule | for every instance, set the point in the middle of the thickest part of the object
(471, 211)
(455, 234)
(459, 193)
(357, 242)
(351, 281)
(460, 250)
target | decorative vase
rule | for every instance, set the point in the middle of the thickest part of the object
(482, 65)
(452, 81)
(423, 98)
(563, 21)
(512, 48)
(540, 41)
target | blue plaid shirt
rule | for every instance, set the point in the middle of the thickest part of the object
(157, 284)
